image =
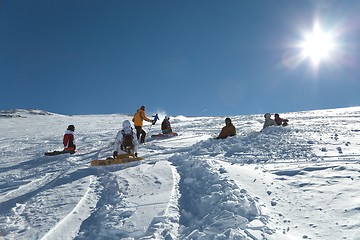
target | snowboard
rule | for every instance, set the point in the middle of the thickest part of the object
(161, 135)
(121, 158)
(54, 153)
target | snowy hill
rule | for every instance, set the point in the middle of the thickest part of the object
(296, 182)
(22, 113)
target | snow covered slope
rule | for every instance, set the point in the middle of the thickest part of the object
(295, 182)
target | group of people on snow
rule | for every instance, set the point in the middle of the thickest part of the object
(127, 141)
(278, 121)
(230, 130)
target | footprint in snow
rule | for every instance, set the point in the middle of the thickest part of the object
(340, 150)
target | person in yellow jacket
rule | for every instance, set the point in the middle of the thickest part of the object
(138, 119)
(228, 130)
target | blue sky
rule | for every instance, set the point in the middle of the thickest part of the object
(192, 57)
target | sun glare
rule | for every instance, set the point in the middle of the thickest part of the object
(317, 45)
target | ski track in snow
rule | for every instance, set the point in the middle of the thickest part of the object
(298, 182)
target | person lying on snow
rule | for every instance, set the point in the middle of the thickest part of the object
(125, 141)
(69, 139)
(280, 121)
(269, 121)
(228, 130)
(165, 126)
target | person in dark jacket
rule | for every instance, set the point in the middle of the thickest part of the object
(165, 126)
(280, 121)
(228, 130)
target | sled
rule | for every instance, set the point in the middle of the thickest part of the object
(166, 135)
(121, 158)
(54, 153)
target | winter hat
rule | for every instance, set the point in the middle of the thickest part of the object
(267, 115)
(276, 115)
(71, 128)
(126, 125)
(142, 107)
(227, 120)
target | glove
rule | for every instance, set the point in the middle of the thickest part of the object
(115, 153)
(135, 154)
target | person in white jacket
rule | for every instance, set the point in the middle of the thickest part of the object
(269, 121)
(126, 140)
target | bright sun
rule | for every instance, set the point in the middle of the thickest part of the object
(317, 45)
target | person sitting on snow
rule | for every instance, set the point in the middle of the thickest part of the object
(228, 130)
(269, 121)
(125, 141)
(280, 121)
(165, 126)
(69, 139)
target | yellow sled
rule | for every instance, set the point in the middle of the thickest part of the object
(121, 158)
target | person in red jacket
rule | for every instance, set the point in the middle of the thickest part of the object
(69, 139)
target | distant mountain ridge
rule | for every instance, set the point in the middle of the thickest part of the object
(21, 113)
